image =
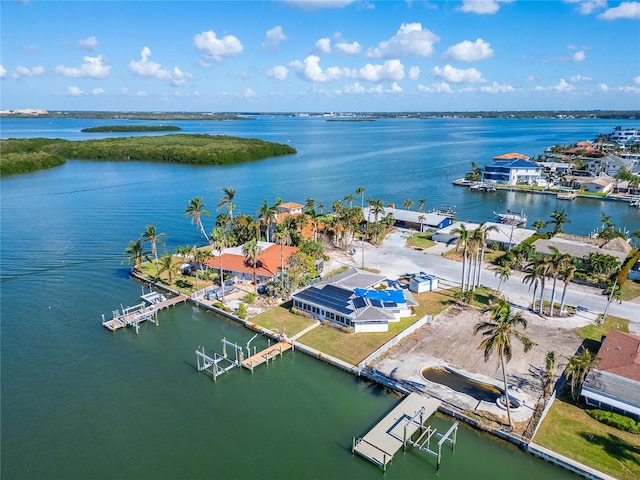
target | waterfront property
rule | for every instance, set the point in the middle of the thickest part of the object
(513, 169)
(415, 220)
(615, 383)
(507, 236)
(610, 165)
(351, 300)
(580, 247)
(269, 262)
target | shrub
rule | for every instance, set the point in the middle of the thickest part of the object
(616, 420)
(249, 298)
(242, 311)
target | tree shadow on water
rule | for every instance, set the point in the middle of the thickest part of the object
(615, 447)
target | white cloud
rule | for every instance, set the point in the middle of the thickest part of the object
(496, 87)
(349, 48)
(579, 56)
(563, 86)
(74, 91)
(323, 45)
(603, 87)
(311, 70)
(355, 88)
(410, 39)
(147, 68)
(89, 43)
(3, 72)
(414, 73)
(391, 70)
(21, 71)
(249, 93)
(457, 75)
(98, 91)
(317, 4)
(624, 10)
(395, 88)
(629, 89)
(278, 72)
(273, 37)
(482, 6)
(579, 78)
(440, 87)
(468, 51)
(586, 7)
(636, 80)
(141, 93)
(213, 47)
(92, 67)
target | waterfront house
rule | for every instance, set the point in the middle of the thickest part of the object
(600, 184)
(350, 299)
(420, 221)
(506, 236)
(513, 169)
(235, 265)
(578, 246)
(610, 165)
(615, 383)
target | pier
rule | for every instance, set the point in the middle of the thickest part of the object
(134, 316)
(264, 356)
(397, 428)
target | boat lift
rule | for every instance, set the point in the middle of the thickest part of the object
(219, 364)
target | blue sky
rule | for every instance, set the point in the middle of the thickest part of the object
(320, 56)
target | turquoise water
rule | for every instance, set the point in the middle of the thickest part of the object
(81, 402)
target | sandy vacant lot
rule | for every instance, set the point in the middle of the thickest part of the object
(449, 341)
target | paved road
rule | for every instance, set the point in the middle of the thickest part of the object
(393, 258)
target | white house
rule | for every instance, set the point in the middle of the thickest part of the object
(349, 299)
(513, 169)
(507, 236)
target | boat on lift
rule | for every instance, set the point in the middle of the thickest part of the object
(511, 218)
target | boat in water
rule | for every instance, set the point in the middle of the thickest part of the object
(483, 187)
(445, 211)
(567, 195)
(511, 218)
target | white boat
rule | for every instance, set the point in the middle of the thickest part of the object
(635, 203)
(483, 187)
(624, 136)
(511, 218)
(566, 195)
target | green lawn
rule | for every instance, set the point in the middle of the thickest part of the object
(281, 317)
(593, 333)
(421, 240)
(568, 430)
(630, 290)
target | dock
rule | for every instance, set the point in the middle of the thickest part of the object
(397, 428)
(265, 355)
(134, 316)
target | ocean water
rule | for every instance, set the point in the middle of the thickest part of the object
(81, 402)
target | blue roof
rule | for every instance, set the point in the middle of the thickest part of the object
(391, 295)
(518, 163)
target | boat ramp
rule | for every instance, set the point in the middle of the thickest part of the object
(397, 428)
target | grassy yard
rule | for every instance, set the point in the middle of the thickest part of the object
(630, 290)
(281, 317)
(421, 240)
(568, 430)
(593, 333)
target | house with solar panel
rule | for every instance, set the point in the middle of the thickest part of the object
(513, 169)
(351, 300)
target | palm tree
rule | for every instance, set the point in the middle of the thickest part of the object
(577, 369)
(267, 216)
(558, 219)
(539, 225)
(421, 202)
(480, 239)
(549, 374)
(421, 219)
(199, 257)
(227, 200)
(310, 204)
(408, 204)
(167, 265)
(219, 242)
(635, 235)
(252, 251)
(462, 240)
(566, 275)
(360, 191)
(136, 254)
(350, 197)
(503, 273)
(557, 263)
(150, 235)
(321, 208)
(543, 267)
(533, 278)
(195, 209)
(282, 236)
(497, 335)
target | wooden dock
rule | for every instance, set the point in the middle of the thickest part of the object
(133, 316)
(265, 355)
(395, 430)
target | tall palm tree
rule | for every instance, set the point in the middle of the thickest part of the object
(219, 241)
(199, 257)
(462, 240)
(558, 219)
(349, 198)
(543, 267)
(480, 239)
(421, 202)
(321, 208)
(577, 369)
(408, 204)
(135, 254)
(549, 374)
(421, 219)
(310, 204)
(252, 251)
(266, 217)
(503, 273)
(282, 236)
(151, 235)
(557, 263)
(227, 200)
(532, 277)
(566, 275)
(195, 209)
(497, 335)
(539, 225)
(360, 191)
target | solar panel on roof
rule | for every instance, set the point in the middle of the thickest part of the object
(326, 300)
(359, 302)
(335, 290)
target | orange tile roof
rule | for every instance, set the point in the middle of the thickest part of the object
(290, 205)
(620, 354)
(511, 156)
(269, 261)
